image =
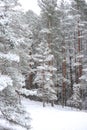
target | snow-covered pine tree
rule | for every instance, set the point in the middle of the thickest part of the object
(83, 54)
(44, 70)
(49, 22)
(24, 41)
(9, 69)
(75, 99)
(32, 27)
(78, 27)
(83, 80)
(66, 31)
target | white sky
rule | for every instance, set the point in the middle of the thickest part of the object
(30, 4)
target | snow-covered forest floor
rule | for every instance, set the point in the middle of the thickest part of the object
(55, 118)
(49, 118)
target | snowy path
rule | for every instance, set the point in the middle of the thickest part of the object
(56, 118)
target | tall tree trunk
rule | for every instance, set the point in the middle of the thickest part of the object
(30, 74)
(71, 78)
(30, 80)
(43, 103)
(76, 74)
(49, 40)
(79, 50)
(64, 75)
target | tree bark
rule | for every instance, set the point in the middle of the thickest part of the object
(79, 50)
(64, 75)
(71, 78)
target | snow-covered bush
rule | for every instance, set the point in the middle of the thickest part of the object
(75, 99)
(12, 109)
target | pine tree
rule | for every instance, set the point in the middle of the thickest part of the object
(9, 68)
(75, 99)
(44, 70)
(32, 22)
(78, 41)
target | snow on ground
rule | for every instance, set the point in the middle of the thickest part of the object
(55, 118)
(49, 118)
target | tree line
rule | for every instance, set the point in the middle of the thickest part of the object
(59, 53)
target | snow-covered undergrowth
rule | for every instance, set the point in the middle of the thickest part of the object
(6, 125)
(55, 118)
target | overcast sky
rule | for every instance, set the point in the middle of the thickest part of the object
(30, 4)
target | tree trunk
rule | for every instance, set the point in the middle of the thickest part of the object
(30, 74)
(43, 103)
(76, 74)
(30, 80)
(71, 78)
(52, 103)
(79, 50)
(64, 75)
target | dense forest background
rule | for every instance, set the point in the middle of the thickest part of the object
(43, 57)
